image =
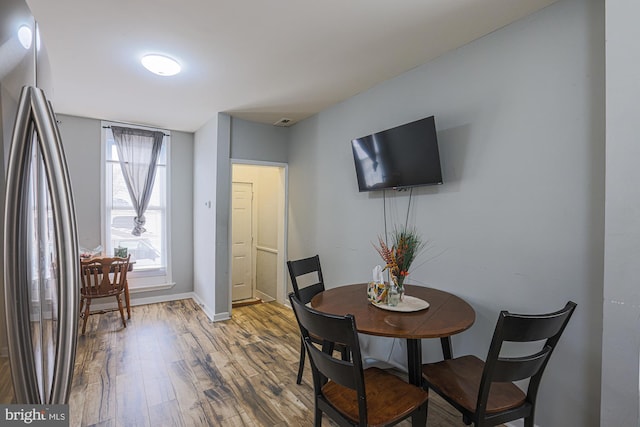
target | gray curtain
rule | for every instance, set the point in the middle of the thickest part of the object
(138, 151)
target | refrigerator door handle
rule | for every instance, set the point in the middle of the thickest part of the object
(36, 114)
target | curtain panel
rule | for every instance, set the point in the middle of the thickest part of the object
(138, 151)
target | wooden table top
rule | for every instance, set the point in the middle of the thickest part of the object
(446, 315)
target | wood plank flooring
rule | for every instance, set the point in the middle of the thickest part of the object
(172, 367)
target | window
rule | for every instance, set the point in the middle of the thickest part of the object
(150, 250)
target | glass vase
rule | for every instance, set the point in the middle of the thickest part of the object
(393, 296)
(397, 283)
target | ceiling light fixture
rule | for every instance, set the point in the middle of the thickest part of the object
(25, 36)
(161, 65)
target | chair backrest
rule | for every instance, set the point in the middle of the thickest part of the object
(301, 267)
(522, 328)
(104, 276)
(332, 329)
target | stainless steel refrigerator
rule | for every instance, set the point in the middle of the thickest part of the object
(40, 252)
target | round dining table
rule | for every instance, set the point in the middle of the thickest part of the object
(446, 315)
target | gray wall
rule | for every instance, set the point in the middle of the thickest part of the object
(223, 213)
(519, 222)
(82, 140)
(82, 143)
(182, 230)
(257, 141)
(621, 339)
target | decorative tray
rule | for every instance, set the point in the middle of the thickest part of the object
(407, 304)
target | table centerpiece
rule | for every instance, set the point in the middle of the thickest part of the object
(406, 245)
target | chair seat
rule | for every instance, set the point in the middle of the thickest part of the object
(97, 293)
(388, 397)
(459, 379)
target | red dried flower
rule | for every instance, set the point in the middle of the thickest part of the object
(406, 245)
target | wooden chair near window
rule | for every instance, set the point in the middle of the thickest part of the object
(347, 393)
(484, 392)
(100, 278)
(300, 268)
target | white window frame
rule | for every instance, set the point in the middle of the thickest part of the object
(148, 280)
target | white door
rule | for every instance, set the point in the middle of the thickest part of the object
(241, 236)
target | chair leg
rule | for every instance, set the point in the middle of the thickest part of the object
(126, 299)
(420, 417)
(301, 365)
(318, 417)
(86, 315)
(528, 421)
(447, 353)
(124, 321)
(426, 411)
(81, 305)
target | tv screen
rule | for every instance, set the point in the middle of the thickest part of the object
(403, 156)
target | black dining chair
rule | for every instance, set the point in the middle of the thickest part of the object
(484, 392)
(347, 393)
(302, 267)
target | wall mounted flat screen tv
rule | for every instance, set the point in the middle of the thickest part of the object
(403, 156)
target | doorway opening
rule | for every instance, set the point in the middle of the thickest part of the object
(258, 232)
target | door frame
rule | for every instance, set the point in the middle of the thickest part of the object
(281, 273)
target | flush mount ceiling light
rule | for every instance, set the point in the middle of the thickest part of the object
(161, 65)
(25, 36)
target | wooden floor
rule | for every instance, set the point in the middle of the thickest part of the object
(172, 367)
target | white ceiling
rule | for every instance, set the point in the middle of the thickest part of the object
(255, 59)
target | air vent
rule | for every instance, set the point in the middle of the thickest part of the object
(283, 122)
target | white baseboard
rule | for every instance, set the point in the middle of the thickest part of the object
(165, 298)
(517, 423)
(161, 298)
(210, 314)
(143, 301)
(221, 316)
(264, 297)
(203, 306)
